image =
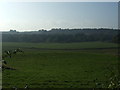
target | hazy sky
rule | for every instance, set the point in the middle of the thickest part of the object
(23, 16)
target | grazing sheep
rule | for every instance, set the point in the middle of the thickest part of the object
(8, 53)
(19, 50)
(14, 52)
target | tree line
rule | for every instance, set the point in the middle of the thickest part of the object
(63, 35)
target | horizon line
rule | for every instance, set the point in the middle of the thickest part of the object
(54, 28)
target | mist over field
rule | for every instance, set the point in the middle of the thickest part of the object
(63, 35)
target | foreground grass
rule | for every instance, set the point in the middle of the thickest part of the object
(67, 69)
(58, 68)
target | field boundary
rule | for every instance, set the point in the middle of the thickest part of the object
(73, 48)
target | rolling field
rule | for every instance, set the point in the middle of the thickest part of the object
(61, 65)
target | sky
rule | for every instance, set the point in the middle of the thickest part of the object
(60, 0)
(33, 16)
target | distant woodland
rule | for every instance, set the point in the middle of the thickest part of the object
(58, 35)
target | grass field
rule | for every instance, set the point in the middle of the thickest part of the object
(40, 67)
(12, 45)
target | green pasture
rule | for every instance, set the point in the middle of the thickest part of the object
(12, 45)
(60, 68)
